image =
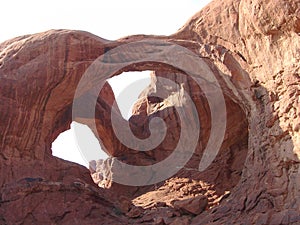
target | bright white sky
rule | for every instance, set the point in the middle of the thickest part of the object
(109, 19)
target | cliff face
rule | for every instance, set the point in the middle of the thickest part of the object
(264, 35)
(252, 50)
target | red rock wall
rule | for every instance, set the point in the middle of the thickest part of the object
(252, 47)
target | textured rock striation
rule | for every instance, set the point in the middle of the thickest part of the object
(253, 50)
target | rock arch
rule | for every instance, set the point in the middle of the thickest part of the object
(256, 62)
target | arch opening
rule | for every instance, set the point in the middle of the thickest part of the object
(220, 178)
(216, 182)
(127, 87)
(66, 147)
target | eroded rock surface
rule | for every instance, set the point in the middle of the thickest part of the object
(252, 47)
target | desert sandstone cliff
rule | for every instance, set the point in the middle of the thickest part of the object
(253, 50)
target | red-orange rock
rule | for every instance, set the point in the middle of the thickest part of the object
(252, 47)
(181, 221)
(193, 206)
(135, 212)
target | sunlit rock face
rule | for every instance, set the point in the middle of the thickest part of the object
(251, 48)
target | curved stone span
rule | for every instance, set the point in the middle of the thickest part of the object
(46, 104)
(221, 176)
(252, 49)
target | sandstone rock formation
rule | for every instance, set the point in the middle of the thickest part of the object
(252, 47)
